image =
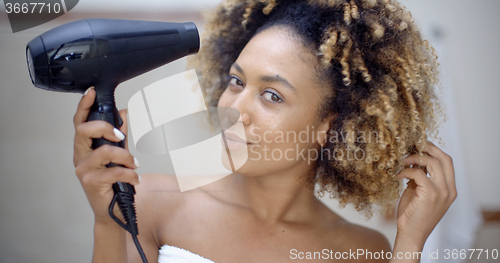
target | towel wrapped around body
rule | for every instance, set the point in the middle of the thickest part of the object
(173, 254)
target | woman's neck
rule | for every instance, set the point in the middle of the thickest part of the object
(273, 198)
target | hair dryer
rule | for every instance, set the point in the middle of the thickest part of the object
(104, 53)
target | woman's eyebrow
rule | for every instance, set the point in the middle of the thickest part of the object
(278, 79)
(237, 67)
(270, 79)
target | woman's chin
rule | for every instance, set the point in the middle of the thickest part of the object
(234, 158)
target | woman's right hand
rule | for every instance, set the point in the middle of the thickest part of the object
(90, 164)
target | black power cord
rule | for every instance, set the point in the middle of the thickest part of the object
(124, 196)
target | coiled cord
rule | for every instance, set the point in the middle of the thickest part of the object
(126, 203)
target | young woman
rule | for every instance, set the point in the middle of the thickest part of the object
(355, 71)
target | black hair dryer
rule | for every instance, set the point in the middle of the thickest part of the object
(104, 53)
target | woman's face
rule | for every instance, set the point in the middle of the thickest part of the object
(274, 86)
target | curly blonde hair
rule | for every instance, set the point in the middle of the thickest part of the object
(382, 77)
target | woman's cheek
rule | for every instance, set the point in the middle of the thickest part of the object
(255, 137)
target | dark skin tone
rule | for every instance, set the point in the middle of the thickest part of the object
(262, 211)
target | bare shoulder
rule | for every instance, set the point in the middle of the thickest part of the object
(156, 196)
(349, 237)
(157, 192)
(156, 181)
(366, 238)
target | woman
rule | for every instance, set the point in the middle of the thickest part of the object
(342, 68)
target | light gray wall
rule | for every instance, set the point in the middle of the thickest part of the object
(44, 216)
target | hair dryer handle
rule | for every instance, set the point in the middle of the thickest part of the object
(104, 108)
(105, 111)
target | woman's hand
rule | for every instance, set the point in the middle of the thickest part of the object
(90, 164)
(426, 199)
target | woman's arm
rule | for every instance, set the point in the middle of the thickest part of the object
(109, 243)
(96, 179)
(425, 200)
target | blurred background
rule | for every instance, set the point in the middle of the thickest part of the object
(44, 215)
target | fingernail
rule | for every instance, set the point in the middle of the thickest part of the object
(136, 162)
(87, 91)
(140, 179)
(119, 134)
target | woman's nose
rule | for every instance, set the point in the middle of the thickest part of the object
(242, 106)
(233, 115)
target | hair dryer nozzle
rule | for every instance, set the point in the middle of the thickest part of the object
(89, 52)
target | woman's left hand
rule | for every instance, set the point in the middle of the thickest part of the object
(426, 199)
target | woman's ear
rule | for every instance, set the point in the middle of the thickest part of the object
(323, 128)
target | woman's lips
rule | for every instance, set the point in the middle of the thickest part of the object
(230, 144)
(232, 141)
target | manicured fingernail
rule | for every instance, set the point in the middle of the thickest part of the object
(119, 134)
(136, 162)
(140, 179)
(87, 91)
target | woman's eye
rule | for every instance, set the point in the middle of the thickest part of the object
(235, 81)
(272, 96)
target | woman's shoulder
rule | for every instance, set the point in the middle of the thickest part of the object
(348, 236)
(367, 238)
(166, 211)
(158, 181)
(161, 199)
(157, 191)
(156, 195)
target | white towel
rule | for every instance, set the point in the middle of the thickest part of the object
(173, 254)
